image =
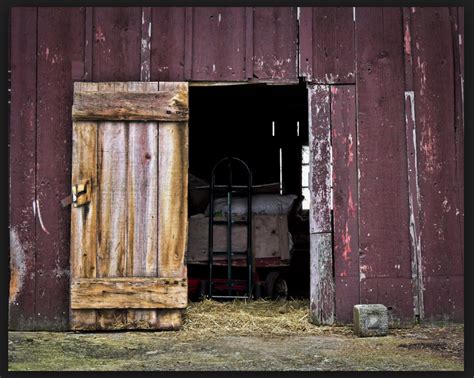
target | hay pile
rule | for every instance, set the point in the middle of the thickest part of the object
(250, 318)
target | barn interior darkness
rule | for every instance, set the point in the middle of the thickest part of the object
(266, 126)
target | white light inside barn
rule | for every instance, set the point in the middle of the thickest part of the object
(305, 176)
(281, 171)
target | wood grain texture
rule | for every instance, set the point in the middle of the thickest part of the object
(305, 58)
(84, 219)
(275, 31)
(435, 115)
(145, 53)
(138, 106)
(142, 181)
(333, 51)
(322, 281)
(112, 171)
(172, 204)
(320, 158)
(218, 43)
(167, 43)
(117, 44)
(130, 292)
(345, 212)
(22, 156)
(56, 52)
(173, 194)
(127, 208)
(384, 243)
(414, 198)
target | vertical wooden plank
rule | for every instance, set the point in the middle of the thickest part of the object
(167, 43)
(275, 43)
(117, 41)
(145, 53)
(248, 42)
(457, 283)
(435, 112)
(22, 157)
(116, 57)
(112, 240)
(142, 209)
(84, 218)
(320, 158)
(414, 198)
(345, 212)
(142, 184)
(306, 43)
(333, 49)
(188, 43)
(457, 28)
(321, 281)
(383, 201)
(218, 52)
(172, 205)
(414, 201)
(56, 53)
(89, 43)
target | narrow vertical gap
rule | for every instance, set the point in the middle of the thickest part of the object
(281, 171)
(331, 204)
(357, 146)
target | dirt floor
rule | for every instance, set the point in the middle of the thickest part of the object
(229, 336)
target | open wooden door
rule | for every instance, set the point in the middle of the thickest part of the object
(129, 211)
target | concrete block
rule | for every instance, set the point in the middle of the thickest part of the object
(370, 320)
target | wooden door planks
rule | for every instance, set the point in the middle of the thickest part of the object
(173, 199)
(84, 219)
(128, 212)
(128, 292)
(142, 206)
(126, 105)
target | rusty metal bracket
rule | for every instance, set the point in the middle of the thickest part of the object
(81, 193)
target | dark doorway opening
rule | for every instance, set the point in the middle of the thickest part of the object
(267, 127)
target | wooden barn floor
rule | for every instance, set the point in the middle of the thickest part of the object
(264, 341)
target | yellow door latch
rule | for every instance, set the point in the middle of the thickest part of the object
(81, 193)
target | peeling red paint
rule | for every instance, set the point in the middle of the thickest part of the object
(334, 90)
(350, 204)
(99, 35)
(407, 40)
(346, 242)
(350, 150)
(429, 146)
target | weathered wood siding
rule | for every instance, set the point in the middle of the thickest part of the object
(407, 66)
(345, 200)
(384, 245)
(440, 136)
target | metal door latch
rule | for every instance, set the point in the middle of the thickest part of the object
(81, 193)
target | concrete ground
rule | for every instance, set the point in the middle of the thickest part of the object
(335, 348)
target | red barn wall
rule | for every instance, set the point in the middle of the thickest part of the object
(397, 133)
